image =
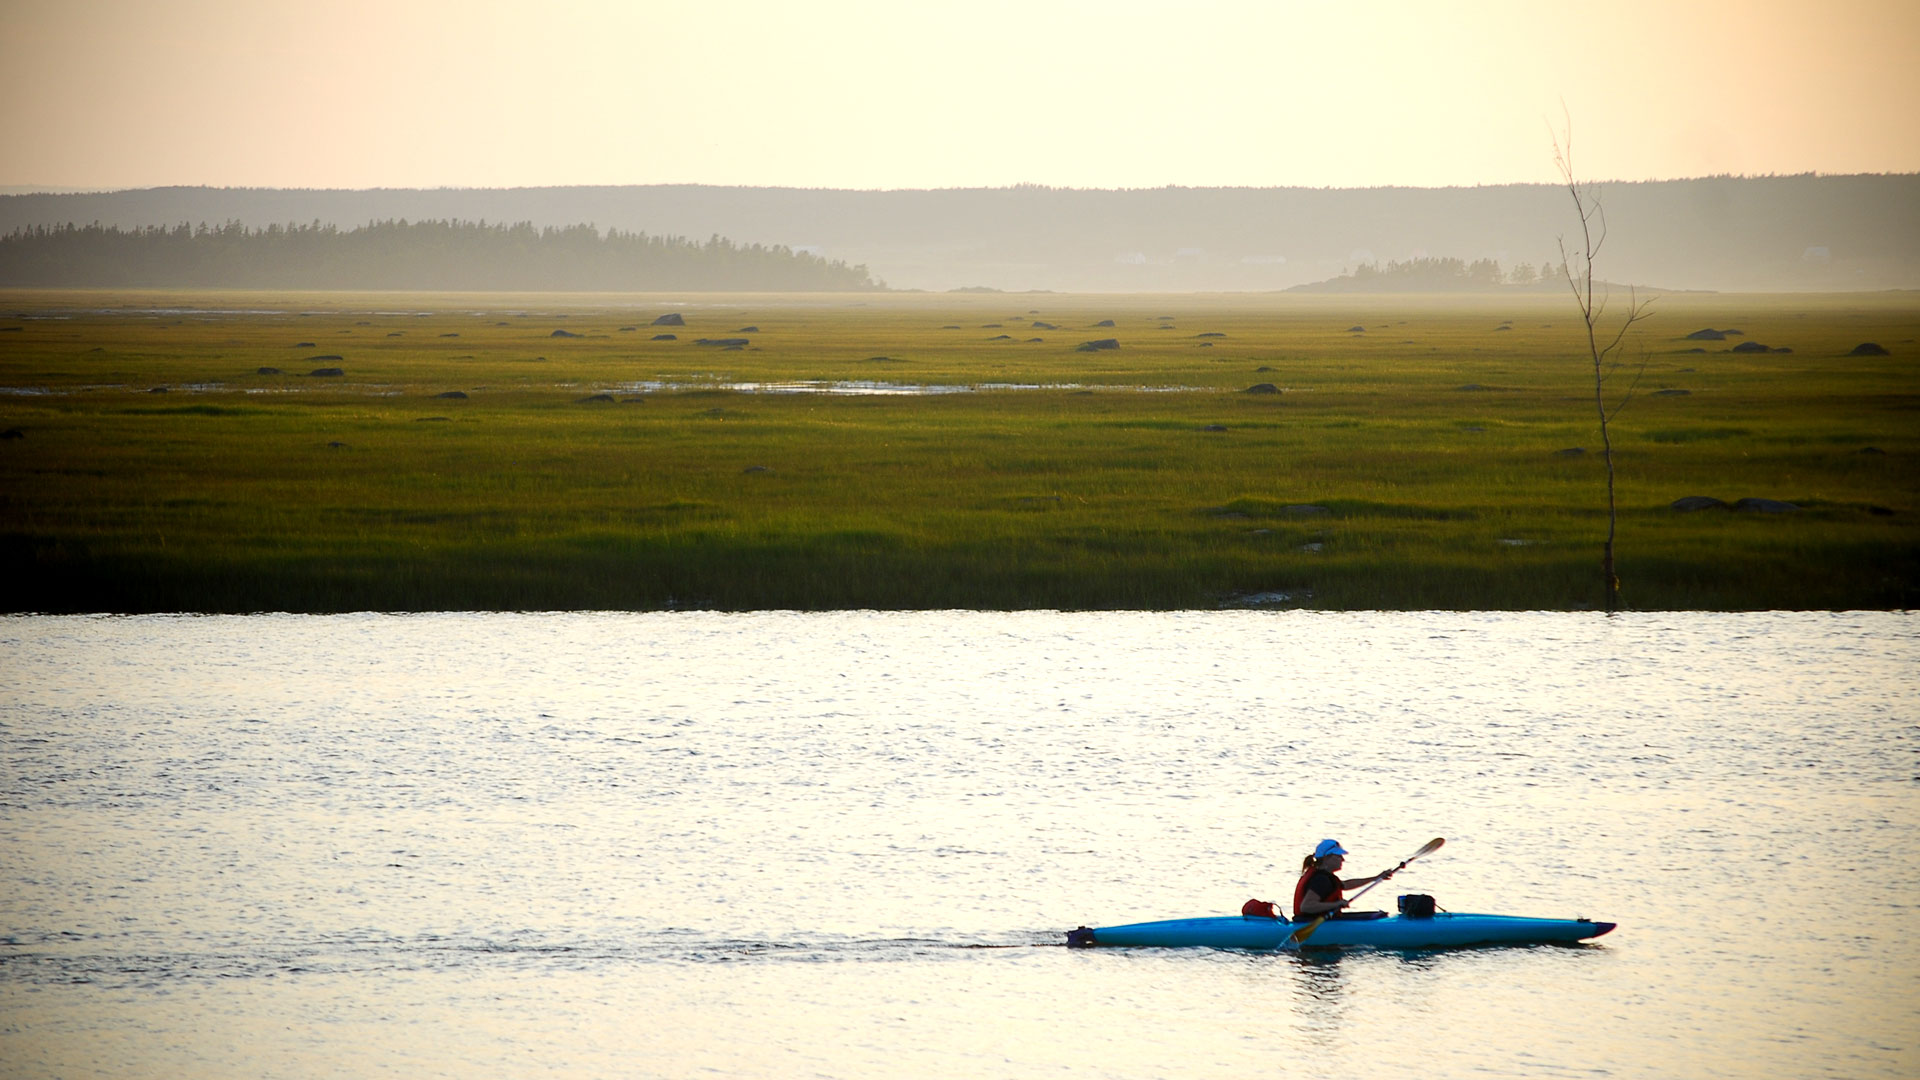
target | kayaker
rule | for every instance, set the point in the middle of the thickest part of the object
(1321, 890)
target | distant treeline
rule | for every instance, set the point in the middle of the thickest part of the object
(1441, 275)
(418, 255)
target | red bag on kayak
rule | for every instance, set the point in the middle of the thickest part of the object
(1263, 909)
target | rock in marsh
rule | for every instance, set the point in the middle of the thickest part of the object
(1104, 322)
(1571, 451)
(1696, 349)
(1764, 506)
(11, 434)
(1211, 333)
(1261, 368)
(1214, 427)
(748, 330)
(722, 342)
(453, 395)
(1671, 392)
(1001, 337)
(157, 390)
(336, 445)
(1868, 348)
(1880, 511)
(1751, 347)
(449, 335)
(1497, 329)
(1707, 334)
(432, 419)
(323, 359)
(1687, 504)
(1356, 329)
(1038, 325)
(563, 333)
(1304, 510)
(268, 371)
(1098, 345)
(950, 328)
(666, 337)
(305, 345)
(325, 373)
(1870, 450)
(671, 318)
(756, 469)
(1261, 388)
(596, 398)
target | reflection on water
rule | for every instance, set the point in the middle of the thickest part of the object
(848, 844)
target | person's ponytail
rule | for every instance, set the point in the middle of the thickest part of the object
(1309, 863)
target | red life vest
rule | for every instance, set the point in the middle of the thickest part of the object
(1300, 889)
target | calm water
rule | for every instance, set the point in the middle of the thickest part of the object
(846, 845)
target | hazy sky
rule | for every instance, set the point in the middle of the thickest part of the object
(928, 93)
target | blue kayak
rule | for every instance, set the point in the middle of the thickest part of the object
(1440, 931)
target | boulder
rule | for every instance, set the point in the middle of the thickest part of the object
(305, 345)
(1571, 451)
(1687, 504)
(1708, 334)
(267, 371)
(1211, 333)
(1671, 392)
(593, 398)
(1096, 346)
(671, 318)
(722, 342)
(12, 433)
(158, 390)
(325, 373)
(563, 333)
(748, 330)
(1001, 337)
(756, 469)
(1261, 388)
(1104, 322)
(628, 329)
(1214, 427)
(1304, 510)
(1261, 368)
(1038, 325)
(453, 395)
(1751, 347)
(323, 359)
(1764, 506)
(666, 337)
(431, 419)
(1356, 329)
(1868, 348)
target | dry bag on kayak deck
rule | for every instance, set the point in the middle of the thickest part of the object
(1416, 906)
(1265, 909)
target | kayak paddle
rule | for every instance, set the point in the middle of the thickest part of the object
(1299, 937)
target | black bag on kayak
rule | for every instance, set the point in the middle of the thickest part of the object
(1416, 906)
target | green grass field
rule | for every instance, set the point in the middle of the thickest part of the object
(1415, 464)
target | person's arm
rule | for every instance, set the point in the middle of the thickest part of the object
(1354, 883)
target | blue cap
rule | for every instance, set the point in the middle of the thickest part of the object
(1328, 847)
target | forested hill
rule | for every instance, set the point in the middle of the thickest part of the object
(1741, 233)
(403, 255)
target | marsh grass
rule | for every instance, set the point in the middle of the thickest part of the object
(1429, 444)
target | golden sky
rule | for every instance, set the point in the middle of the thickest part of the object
(932, 93)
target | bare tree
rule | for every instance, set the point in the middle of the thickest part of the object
(1576, 266)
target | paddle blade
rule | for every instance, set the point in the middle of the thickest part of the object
(1433, 845)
